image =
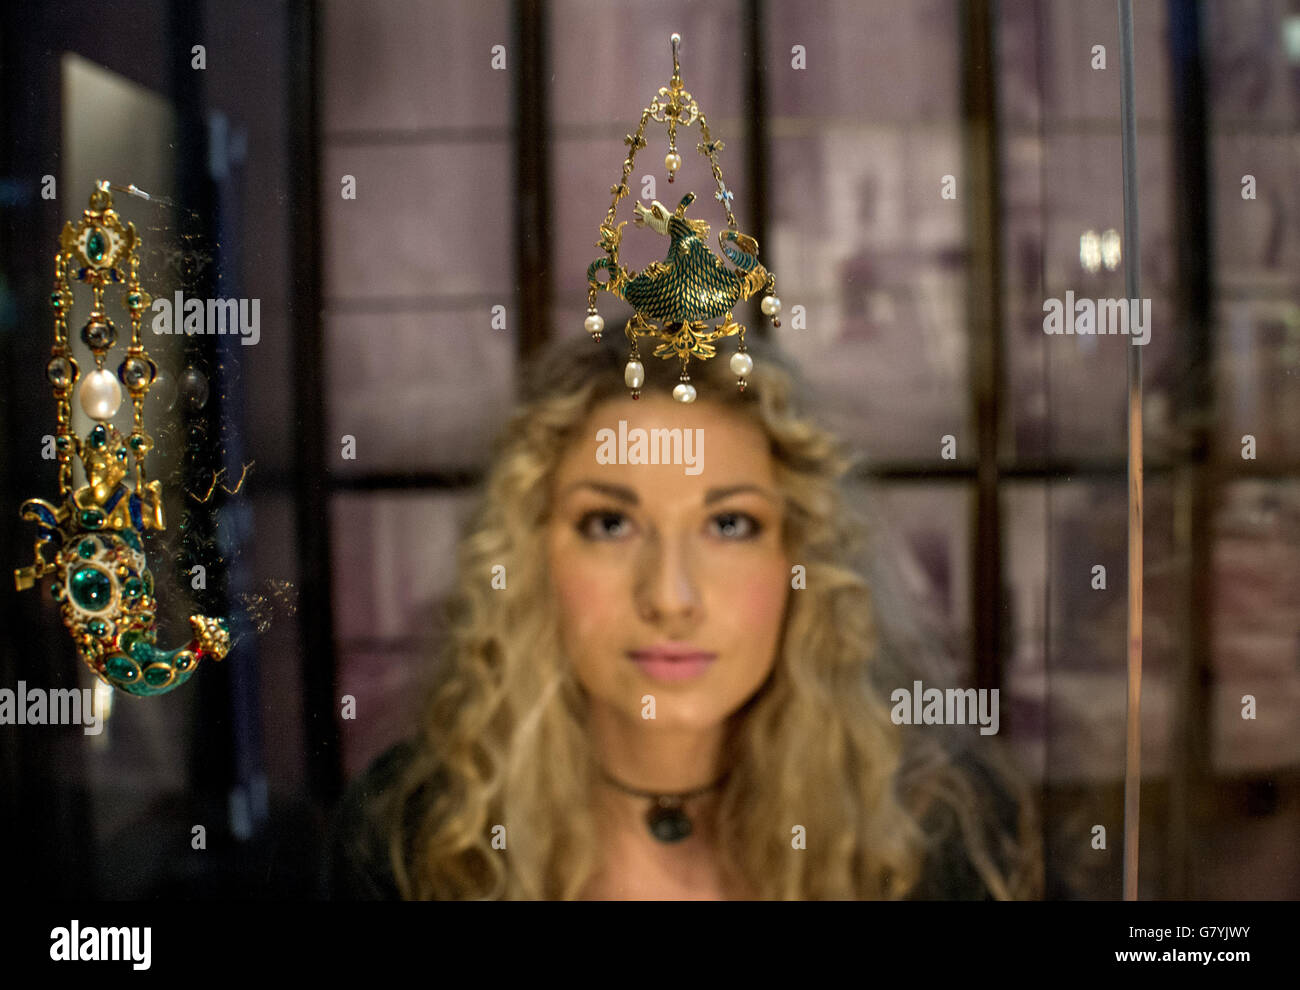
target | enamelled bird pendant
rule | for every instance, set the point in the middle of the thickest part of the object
(675, 299)
(95, 532)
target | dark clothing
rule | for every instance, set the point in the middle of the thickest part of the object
(358, 868)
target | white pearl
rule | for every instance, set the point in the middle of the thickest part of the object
(594, 323)
(672, 161)
(741, 364)
(771, 305)
(634, 374)
(684, 392)
(100, 395)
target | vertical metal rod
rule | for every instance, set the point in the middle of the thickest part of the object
(531, 181)
(1132, 285)
(987, 360)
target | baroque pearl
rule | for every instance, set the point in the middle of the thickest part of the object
(770, 305)
(684, 392)
(100, 395)
(634, 374)
(741, 364)
(594, 323)
(672, 161)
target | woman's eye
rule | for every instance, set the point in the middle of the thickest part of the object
(595, 525)
(739, 525)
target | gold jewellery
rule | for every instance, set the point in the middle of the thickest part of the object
(95, 532)
(675, 299)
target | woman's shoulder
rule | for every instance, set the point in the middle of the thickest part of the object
(357, 863)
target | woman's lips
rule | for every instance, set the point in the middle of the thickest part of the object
(672, 665)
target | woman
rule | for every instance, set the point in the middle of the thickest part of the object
(621, 630)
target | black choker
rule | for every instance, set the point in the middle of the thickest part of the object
(667, 819)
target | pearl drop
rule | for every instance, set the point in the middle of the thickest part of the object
(741, 364)
(594, 323)
(672, 161)
(634, 374)
(684, 392)
(100, 395)
(771, 305)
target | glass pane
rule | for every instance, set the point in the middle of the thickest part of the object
(394, 564)
(417, 391)
(387, 66)
(1256, 627)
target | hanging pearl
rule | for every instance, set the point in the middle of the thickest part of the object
(684, 392)
(100, 395)
(741, 364)
(770, 305)
(672, 161)
(634, 374)
(594, 324)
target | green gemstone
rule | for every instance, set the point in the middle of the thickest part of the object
(56, 590)
(133, 300)
(134, 588)
(122, 669)
(90, 518)
(156, 676)
(98, 436)
(148, 581)
(91, 588)
(98, 627)
(61, 442)
(130, 539)
(87, 549)
(136, 441)
(96, 245)
(56, 300)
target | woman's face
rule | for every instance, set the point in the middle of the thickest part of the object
(646, 556)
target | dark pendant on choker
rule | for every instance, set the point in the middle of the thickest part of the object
(667, 817)
(667, 821)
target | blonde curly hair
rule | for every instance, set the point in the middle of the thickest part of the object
(502, 741)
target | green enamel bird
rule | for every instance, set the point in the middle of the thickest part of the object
(691, 283)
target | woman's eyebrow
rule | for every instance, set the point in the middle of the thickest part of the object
(626, 494)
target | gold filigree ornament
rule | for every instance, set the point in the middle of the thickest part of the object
(96, 532)
(675, 300)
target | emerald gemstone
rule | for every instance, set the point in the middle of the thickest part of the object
(87, 549)
(122, 668)
(61, 441)
(156, 675)
(98, 436)
(56, 300)
(183, 661)
(98, 627)
(96, 245)
(92, 589)
(134, 588)
(133, 300)
(90, 518)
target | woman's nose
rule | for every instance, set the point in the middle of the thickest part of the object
(665, 585)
